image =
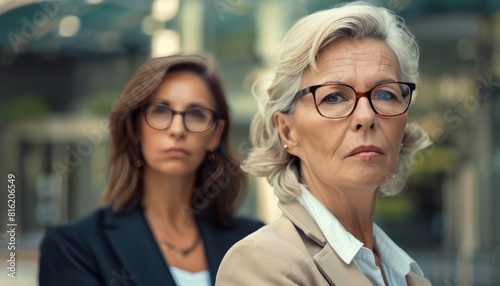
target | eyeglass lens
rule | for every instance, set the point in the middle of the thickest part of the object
(160, 116)
(335, 101)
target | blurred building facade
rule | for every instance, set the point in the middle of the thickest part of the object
(64, 63)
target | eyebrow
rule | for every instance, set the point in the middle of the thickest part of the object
(191, 105)
(381, 81)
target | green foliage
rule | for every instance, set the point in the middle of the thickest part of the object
(433, 160)
(102, 104)
(397, 208)
(29, 106)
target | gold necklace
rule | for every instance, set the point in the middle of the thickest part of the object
(182, 253)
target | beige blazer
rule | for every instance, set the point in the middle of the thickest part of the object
(291, 251)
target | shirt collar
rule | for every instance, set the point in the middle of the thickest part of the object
(346, 245)
(392, 255)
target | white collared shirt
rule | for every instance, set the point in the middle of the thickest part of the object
(186, 278)
(396, 263)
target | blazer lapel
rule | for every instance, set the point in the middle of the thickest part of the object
(331, 266)
(336, 271)
(132, 240)
(213, 254)
(413, 279)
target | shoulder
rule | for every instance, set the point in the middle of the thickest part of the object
(280, 238)
(70, 246)
(75, 252)
(246, 225)
(276, 246)
(282, 233)
(239, 227)
(75, 232)
(81, 225)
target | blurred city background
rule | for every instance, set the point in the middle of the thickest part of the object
(64, 63)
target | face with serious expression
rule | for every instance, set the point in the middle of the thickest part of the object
(358, 151)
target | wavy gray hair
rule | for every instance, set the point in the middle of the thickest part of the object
(300, 48)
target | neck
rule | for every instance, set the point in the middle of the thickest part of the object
(354, 208)
(168, 198)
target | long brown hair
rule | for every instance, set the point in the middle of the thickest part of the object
(220, 183)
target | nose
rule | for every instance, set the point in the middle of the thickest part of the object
(363, 117)
(177, 127)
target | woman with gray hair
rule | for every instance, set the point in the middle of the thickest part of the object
(331, 134)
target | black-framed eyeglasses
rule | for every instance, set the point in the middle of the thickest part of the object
(160, 116)
(336, 100)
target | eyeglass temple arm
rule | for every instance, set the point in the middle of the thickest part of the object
(305, 91)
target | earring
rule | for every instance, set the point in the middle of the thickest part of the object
(211, 156)
(285, 146)
(138, 163)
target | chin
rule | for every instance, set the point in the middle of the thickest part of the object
(175, 170)
(372, 178)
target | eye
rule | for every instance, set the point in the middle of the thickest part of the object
(385, 95)
(334, 98)
(160, 110)
(198, 114)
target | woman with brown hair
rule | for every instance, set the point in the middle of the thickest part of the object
(173, 188)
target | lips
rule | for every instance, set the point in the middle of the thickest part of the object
(368, 150)
(176, 151)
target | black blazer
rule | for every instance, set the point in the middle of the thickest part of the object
(109, 248)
